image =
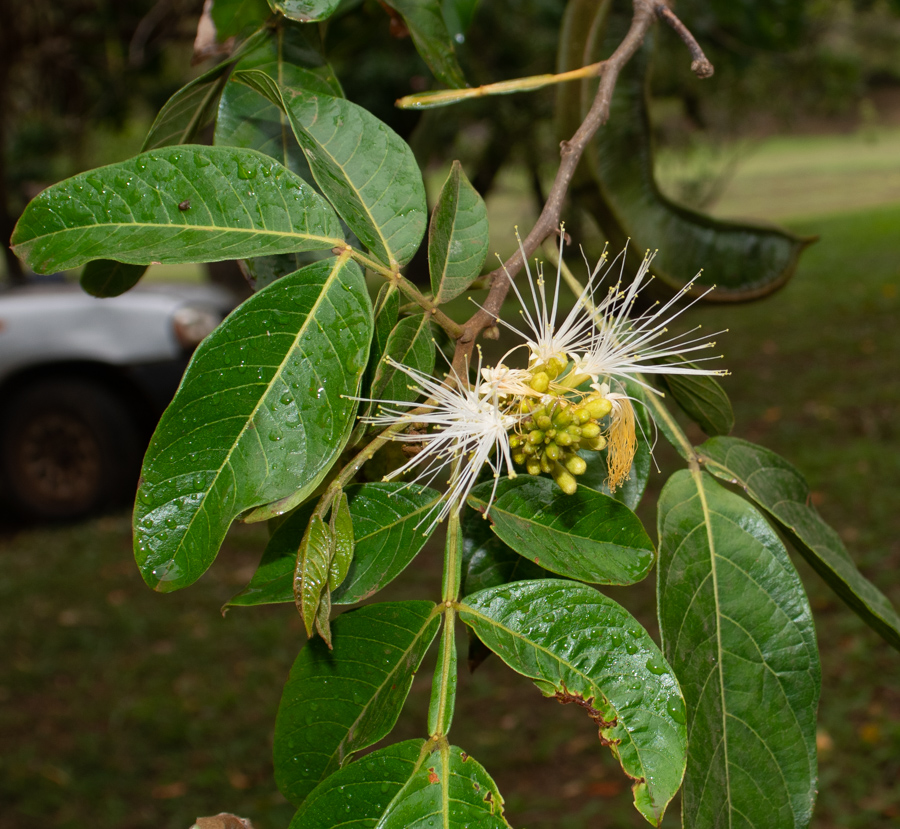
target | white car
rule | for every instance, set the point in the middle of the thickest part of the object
(83, 382)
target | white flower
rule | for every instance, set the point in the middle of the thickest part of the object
(623, 346)
(549, 342)
(467, 429)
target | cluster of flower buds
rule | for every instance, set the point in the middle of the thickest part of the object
(551, 432)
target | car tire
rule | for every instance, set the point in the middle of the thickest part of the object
(68, 448)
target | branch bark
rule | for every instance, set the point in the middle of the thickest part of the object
(570, 154)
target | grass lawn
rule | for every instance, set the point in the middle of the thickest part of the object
(123, 709)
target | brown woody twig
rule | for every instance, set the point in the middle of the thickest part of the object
(570, 154)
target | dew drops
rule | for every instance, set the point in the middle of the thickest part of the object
(201, 160)
(246, 172)
(656, 665)
(275, 435)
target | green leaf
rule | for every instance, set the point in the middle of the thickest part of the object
(247, 119)
(413, 785)
(587, 536)
(780, 489)
(703, 400)
(429, 32)
(487, 561)
(743, 260)
(338, 702)
(341, 528)
(411, 343)
(261, 414)
(385, 520)
(311, 571)
(384, 515)
(305, 11)
(737, 629)
(193, 107)
(232, 17)
(581, 647)
(361, 165)
(458, 14)
(190, 204)
(457, 237)
(443, 684)
(106, 278)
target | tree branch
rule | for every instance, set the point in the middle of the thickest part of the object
(570, 154)
(700, 64)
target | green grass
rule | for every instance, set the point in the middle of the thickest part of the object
(123, 709)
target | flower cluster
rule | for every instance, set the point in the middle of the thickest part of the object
(543, 417)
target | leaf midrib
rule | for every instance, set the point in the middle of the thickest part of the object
(326, 286)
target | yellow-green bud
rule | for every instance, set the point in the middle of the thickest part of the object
(552, 451)
(540, 382)
(546, 464)
(598, 407)
(581, 415)
(574, 431)
(535, 436)
(528, 449)
(555, 367)
(563, 419)
(543, 422)
(564, 439)
(519, 458)
(590, 431)
(596, 444)
(575, 464)
(533, 466)
(564, 479)
(514, 441)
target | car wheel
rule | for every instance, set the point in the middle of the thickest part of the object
(68, 448)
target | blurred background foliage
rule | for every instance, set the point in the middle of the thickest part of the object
(123, 708)
(80, 81)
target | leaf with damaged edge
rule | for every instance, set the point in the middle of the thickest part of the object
(737, 628)
(780, 489)
(261, 414)
(587, 536)
(580, 647)
(338, 702)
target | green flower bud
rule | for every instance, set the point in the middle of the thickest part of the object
(552, 451)
(575, 464)
(528, 449)
(574, 431)
(564, 479)
(546, 464)
(540, 382)
(533, 467)
(596, 444)
(519, 458)
(543, 422)
(563, 419)
(535, 436)
(598, 407)
(581, 415)
(591, 430)
(564, 439)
